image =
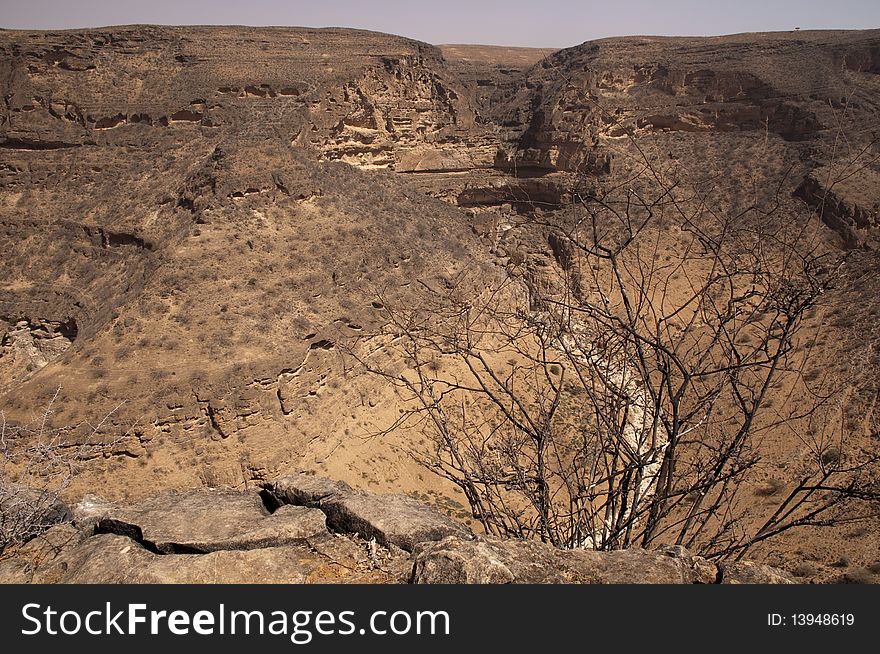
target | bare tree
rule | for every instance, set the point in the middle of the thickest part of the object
(626, 403)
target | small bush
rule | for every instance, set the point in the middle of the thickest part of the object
(771, 488)
(37, 463)
(831, 456)
(805, 569)
(857, 576)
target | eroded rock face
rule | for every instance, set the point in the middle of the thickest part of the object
(361, 97)
(847, 206)
(395, 115)
(28, 345)
(645, 86)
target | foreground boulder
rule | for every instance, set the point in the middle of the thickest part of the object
(112, 559)
(749, 572)
(497, 561)
(390, 519)
(201, 521)
(199, 536)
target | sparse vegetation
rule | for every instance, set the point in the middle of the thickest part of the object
(665, 394)
(38, 461)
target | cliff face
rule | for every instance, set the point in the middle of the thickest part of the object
(362, 97)
(186, 248)
(788, 85)
(734, 110)
(726, 113)
(479, 114)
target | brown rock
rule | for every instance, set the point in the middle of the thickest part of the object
(206, 521)
(108, 558)
(492, 561)
(749, 572)
(15, 571)
(214, 536)
(634, 566)
(390, 519)
(704, 571)
(306, 489)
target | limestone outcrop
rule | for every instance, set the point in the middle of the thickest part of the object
(307, 529)
(392, 519)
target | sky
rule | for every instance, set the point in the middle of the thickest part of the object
(536, 23)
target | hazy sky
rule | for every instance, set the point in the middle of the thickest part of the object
(549, 23)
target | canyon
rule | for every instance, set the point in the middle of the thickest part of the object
(196, 223)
